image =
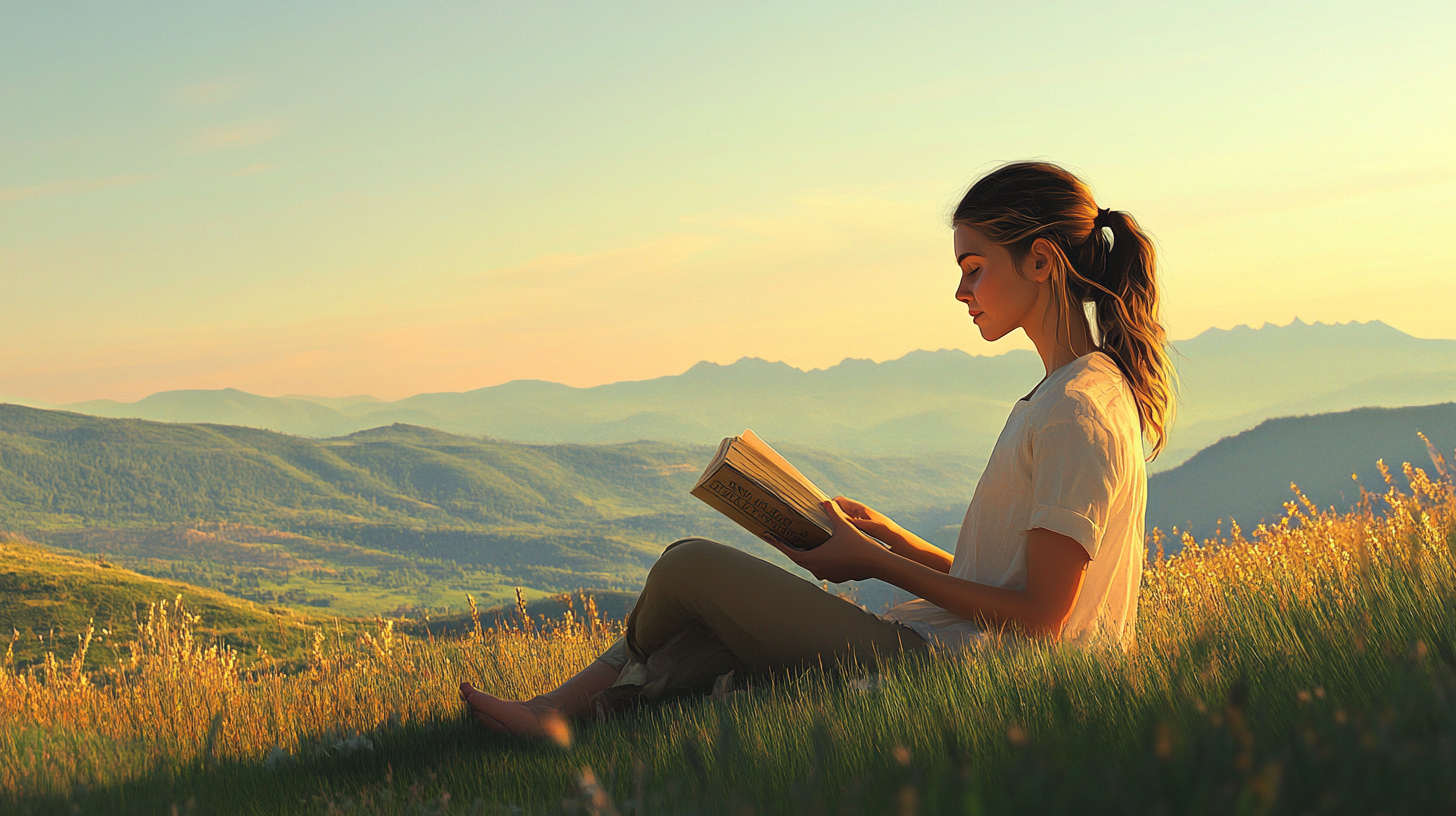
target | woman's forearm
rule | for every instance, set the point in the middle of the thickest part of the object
(901, 541)
(1055, 568)
(989, 606)
(908, 545)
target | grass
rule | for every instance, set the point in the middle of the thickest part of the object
(1308, 667)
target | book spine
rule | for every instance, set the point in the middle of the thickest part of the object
(757, 510)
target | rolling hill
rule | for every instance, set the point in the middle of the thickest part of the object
(1247, 477)
(48, 599)
(396, 515)
(943, 402)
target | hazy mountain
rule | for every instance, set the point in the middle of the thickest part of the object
(1247, 477)
(1233, 380)
(944, 403)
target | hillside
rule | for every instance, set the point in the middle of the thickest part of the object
(393, 516)
(1315, 674)
(943, 404)
(48, 599)
(1246, 477)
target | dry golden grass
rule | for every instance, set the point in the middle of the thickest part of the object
(172, 702)
(1310, 556)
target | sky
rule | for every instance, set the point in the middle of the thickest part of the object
(394, 198)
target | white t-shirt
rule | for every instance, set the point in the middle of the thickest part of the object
(1069, 460)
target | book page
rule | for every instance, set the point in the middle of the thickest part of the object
(772, 457)
(780, 476)
(773, 480)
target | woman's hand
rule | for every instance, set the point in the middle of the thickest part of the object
(848, 555)
(871, 521)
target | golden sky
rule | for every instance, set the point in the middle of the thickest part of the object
(390, 198)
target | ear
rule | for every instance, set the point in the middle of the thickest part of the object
(1040, 261)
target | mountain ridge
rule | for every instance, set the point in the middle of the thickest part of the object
(943, 403)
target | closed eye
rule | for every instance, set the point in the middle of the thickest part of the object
(967, 262)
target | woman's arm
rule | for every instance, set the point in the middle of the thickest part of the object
(902, 542)
(1055, 567)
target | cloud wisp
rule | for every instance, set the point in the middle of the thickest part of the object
(233, 136)
(67, 187)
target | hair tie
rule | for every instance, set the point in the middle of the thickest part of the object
(1103, 219)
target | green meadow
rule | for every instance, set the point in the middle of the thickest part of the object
(1308, 667)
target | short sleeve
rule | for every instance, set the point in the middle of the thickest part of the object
(1074, 474)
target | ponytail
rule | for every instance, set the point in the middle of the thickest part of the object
(1115, 271)
(1104, 259)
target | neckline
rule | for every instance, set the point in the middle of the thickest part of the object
(1044, 380)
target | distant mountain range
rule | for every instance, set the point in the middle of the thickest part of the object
(1247, 477)
(1233, 380)
(944, 404)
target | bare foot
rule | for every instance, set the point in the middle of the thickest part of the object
(520, 718)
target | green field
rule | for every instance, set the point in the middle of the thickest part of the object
(1308, 669)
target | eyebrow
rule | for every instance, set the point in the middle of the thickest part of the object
(965, 255)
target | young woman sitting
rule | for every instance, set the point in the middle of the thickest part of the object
(1053, 542)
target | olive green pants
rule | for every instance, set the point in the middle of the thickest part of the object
(708, 609)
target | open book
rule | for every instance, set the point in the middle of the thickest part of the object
(749, 482)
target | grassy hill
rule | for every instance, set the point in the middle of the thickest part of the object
(395, 516)
(1246, 477)
(1313, 674)
(48, 600)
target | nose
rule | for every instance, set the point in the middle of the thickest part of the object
(963, 291)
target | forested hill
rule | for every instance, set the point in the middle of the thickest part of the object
(60, 470)
(549, 517)
(1247, 477)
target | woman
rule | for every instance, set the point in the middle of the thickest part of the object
(1052, 543)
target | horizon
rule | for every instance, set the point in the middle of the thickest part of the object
(20, 399)
(372, 198)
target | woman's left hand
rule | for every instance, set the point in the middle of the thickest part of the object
(848, 555)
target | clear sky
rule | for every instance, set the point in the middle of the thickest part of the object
(389, 198)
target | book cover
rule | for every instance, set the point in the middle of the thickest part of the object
(751, 484)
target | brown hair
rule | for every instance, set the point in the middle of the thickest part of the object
(1103, 258)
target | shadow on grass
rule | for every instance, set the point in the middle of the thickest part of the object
(1348, 718)
(419, 767)
(1270, 742)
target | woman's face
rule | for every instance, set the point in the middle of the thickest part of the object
(999, 299)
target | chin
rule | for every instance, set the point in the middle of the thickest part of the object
(989, 334)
